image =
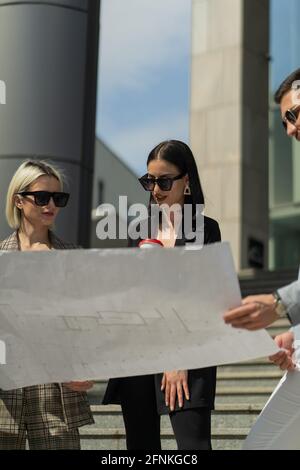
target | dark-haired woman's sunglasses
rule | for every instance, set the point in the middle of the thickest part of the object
(291, 116)
(165, 184)
(42, 198)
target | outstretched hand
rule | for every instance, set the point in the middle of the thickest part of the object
(257, 312)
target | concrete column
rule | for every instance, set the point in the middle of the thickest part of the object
(229, 120)
(48, 57)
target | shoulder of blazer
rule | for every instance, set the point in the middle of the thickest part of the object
(212, 232)
(10, 243)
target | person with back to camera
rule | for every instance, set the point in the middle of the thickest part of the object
(187, 396)
(47, 415)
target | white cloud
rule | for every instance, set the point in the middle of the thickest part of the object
(138, 37)
(134, 144)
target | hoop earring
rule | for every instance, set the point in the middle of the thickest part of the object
(187, 191)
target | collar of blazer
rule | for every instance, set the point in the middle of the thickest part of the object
(12, 243)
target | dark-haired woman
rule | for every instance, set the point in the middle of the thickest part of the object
(187, 396)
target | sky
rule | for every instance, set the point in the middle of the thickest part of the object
(285, 18)
(144, 76)
(144, 71)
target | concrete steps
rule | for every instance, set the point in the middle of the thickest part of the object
(230, 423)
(235, 415)
(114, 439)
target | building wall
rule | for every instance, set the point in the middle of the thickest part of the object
(229, 119)
(115, 179)
(48, 57)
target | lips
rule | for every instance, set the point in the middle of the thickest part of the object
(48, 214)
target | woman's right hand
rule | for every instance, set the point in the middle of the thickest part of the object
(79, 386)
(284, 359)
(175, 385)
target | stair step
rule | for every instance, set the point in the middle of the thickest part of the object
(114, 439)
(251, 375)
(103, 444)
(224, 416)
(238, 368)
(87, 432)
(244, 390)
(225, 408)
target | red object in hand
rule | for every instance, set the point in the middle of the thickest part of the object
(150, 243)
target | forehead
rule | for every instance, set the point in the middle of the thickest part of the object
(45, 183)
(157, 167)
(290, 100)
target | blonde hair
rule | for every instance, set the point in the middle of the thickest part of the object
(27, 173)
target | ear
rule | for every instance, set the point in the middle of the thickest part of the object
(18, 201)
(186, 180)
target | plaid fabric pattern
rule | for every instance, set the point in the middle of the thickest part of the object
(50, 410)
(40, 440)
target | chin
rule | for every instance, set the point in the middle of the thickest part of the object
(48, 223)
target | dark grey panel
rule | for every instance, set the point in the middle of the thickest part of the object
(76, 4)
(44, 80)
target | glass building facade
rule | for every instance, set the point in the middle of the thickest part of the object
(284, 153)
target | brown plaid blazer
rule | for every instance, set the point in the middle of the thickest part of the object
(50, 406)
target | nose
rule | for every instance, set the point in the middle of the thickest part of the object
(291, 129)
(156, 189)
(51, 204)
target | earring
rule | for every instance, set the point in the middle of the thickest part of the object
(187, 191)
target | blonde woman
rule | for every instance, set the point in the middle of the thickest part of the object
(47, 415)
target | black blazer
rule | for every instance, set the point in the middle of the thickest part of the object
(202, 382)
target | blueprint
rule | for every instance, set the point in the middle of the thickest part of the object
(94, 314)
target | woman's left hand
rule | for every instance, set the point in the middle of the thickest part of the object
(79, 386)
(175, 383)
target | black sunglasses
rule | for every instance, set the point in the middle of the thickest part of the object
(42, 198)
(291, 116)
(165, 184)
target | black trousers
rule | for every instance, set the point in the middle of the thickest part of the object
(192, 427)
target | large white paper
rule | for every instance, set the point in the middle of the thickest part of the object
(278, 425)
(95, 314)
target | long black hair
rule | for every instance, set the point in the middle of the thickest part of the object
(179, 154)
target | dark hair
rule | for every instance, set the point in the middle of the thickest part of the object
(180, 155)
(286, 86)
